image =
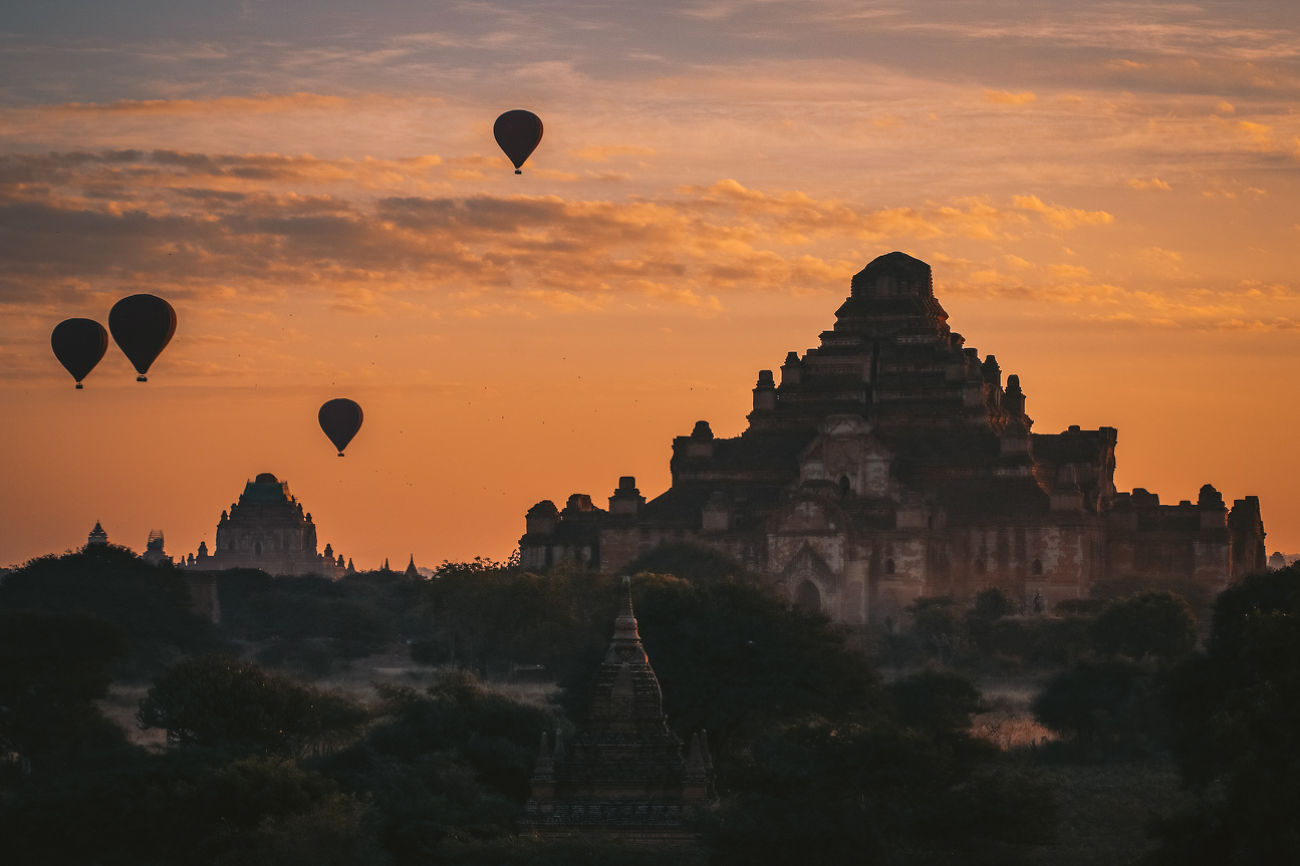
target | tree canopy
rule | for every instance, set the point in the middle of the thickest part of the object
(222, 702)
(53, 666)
(1235, 710)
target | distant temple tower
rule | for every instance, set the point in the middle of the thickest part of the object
(153, 549)
(624, 772)
(267, 529)
(97, 536)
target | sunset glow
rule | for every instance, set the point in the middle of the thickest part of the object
(1108, 194)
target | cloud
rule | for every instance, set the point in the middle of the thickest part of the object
(1067, 271)
(1260, 134)
(1062, 217)
(1162, 260)
(266, 103)
(1149, 183)
(604, 153)
(1004, 97)
(245, 231)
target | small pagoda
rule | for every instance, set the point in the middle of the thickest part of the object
(624, 772)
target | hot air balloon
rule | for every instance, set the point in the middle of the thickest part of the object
(340, 418)
(142, 326)
(518, 133)
(79, 344)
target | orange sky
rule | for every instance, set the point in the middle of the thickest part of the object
(1107, 194)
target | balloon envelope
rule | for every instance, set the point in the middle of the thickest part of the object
(518, 133)
(142, 326)
(79, 344)
(340, 418)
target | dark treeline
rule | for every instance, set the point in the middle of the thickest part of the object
(824, 751)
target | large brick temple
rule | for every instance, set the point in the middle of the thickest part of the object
(267, 529)
(893, 462)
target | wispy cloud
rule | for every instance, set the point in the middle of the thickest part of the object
(1149, 183)
(202, 223)
(1004, 97)
(260, 104)
(1060, 216)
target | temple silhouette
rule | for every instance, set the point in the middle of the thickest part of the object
(267, 529)
(624, 772)
(892, 462)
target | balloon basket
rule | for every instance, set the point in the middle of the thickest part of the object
(519, 171)
(79, 386)
(340, 453)
(141, 379)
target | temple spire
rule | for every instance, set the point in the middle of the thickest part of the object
(623, 772)
(625, 647)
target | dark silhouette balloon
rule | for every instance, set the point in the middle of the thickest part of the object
(79, 344)
(340, 418)
(142, 326)
(518, 133)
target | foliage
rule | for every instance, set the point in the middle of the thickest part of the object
(1199, 597)
(694, 562)
(1079, 607)
(1155, 624)
(1040, 642)
(489, 617)
(134, 808)
(1236, 709)
(935, 618)
(453, 762)
(843, 793)
(587, 849)
(936, 702)
(149, 604)
(52, 667)
(221, 702)
(936, 631)
(992, 604)
(735, 661)
(1099, 705)
(308, 623)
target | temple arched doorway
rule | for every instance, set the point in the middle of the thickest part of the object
(808, 597)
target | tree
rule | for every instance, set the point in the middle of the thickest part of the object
(486, 616)
(832, 792)
(694, 562)
(451, 762)
(52, 668)
(186, 806)
(992, 604)
(936, 622)
(1196, 593)
(1098, 704)
(736, 661)
(1155, 624)
(307, 623)
(270, 811)
(936, 702)
(222, 702)
(149, 604)
(1235, 710)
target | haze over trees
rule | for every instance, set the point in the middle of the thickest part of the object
(815, 750)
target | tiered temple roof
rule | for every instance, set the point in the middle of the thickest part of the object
(623, 772)
(893, 461)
